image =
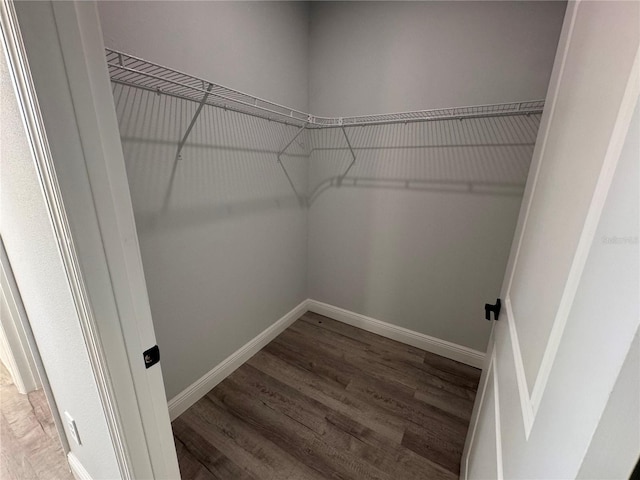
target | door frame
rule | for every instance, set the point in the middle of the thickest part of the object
(102, 259)
(20, 321)
(15, 333)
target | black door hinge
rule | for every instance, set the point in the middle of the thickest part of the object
(151, 356)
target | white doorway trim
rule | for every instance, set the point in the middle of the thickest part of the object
(17, 354)
(34, 126)
(19, 318)
(101, 258)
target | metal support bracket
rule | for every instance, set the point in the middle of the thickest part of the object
(281, 152)
(193, 122)
(165, 203)
(300, 130)
(353, 155)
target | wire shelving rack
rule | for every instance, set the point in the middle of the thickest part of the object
(135, 72)
(129, 70)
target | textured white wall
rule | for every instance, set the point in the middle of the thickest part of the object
(227, 257)
(420, 234)
(32, 251)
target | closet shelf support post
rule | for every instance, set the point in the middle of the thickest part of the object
(353, 155)
(300, 130)
(193, 122)
(281, 152)
(165, 202)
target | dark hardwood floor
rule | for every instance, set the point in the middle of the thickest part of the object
(325, 400)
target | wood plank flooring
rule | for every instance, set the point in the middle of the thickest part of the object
(325, 400)
(29, 443)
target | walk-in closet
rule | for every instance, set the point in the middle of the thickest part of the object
(325, 196)
(310, 240)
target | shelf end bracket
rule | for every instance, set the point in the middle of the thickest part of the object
(165, 202)
(353, 156)
(281, 152)
(193, 122)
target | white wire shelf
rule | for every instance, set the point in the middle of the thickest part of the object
(128, 70)
(452, 113)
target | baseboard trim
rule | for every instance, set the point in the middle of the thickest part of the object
(443, 348)
(181, 402)
(77, 469)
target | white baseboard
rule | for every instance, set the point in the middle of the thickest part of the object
(77, 468)
(181, 402)
(443, 348)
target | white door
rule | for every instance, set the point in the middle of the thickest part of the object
(569, 295)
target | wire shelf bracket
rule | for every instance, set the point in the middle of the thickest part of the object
(193, 122)
(353, 155)
(178, 157)
(300, 130)
(281, 152)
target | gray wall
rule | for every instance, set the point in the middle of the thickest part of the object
(375, 57)
(227, 256)
(233, 250)
(418, 234)
(256, 47)
(32, 250)
(428, 253)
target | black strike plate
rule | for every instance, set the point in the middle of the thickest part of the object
(488, 308)
(151, 356)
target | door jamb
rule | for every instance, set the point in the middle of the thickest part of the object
(7, 278)
(132, 397)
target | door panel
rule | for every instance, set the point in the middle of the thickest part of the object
(600, 50)
(551, 377)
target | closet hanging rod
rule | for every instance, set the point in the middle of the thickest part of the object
(132, 71)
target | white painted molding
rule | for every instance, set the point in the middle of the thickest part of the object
(66, 21)
(443, 348)
(526, 405)
(181, 402)
(15, 332)
(496, 393)
(77, 468)
(11, 363)
(471, 435)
